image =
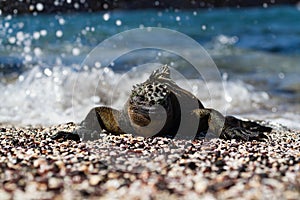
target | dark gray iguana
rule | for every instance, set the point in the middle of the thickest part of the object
(159, 107)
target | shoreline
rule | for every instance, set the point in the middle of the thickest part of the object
(34, 166)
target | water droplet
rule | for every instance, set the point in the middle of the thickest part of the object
(228, 98)
(21, 78)
(61, 21)
(27, 49)
(6, 24)
(31, 7)
(76, 5)
(47, 72)
(75, 51)
(106, 16)
(43, 32)
(36, 35)
(95, 99)
(27, 92)
(225, 76)
(39, 6)
(265, 5)
(20, 36)
(11, 40)
(38, 75)
(118, 22)
(28, 58)
(85, 67)
(105, 6)
(281, 75)
(227, 40)
(203, 27)
(8, 17)
(97, 64)
(83, 32)
(21, 25)
(178, 18)
(37, 51)
(59, 33)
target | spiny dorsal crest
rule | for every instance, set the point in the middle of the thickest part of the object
(161, 74)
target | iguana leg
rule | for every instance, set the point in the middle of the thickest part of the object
(98, 118)
(108, 119)
(229, 127)
(211, 121)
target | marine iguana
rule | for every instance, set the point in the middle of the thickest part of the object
(159, 107)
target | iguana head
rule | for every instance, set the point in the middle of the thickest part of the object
(151, 102)
(154, 91)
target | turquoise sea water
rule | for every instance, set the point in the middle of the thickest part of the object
(43, 81)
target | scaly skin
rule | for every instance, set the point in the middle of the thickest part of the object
(159, 107)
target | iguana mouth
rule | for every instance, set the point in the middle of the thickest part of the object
(147, 110)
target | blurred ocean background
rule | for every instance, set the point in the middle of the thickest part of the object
(43, 80)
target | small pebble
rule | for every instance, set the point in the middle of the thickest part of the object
(54, 183)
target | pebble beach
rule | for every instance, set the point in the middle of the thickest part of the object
(59, 59)
(33, 166)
